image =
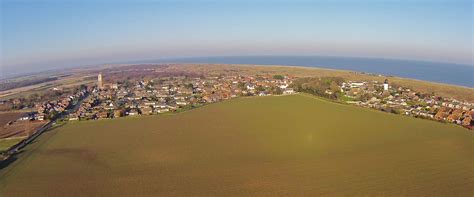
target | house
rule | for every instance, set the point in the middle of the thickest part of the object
(354, 91)
(250, 87)
(162, 110)
(173, 106)
(283, 86)
(211, 98)
(39, 116)
(133, 112)
(207, 98)
(114, 86)
(467, 121)
(142, 106)
(102, 115)
(455, 115)
(357, 84)
(160, 105)
(25, 117)
(181, 102)
(288, 91)
(443, 113)
(73, 117)
(148, 103)
(110, 106)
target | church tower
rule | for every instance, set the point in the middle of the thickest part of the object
(100, 83)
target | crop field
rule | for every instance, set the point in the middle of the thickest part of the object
(6, 117)
(11, 134)
(272, 146)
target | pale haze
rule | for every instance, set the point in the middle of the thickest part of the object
(41, 35)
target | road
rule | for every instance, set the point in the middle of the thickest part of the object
(14, 149)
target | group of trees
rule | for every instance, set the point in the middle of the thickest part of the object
(278, 77)
(320, 86)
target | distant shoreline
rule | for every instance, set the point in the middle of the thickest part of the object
(438, 72)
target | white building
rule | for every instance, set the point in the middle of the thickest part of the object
(385, 85)
(288, 91)
(283, 86)
(250, 87)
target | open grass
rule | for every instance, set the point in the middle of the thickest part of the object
(288, 145)
(5, 144)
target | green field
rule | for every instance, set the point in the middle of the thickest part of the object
(5, 144)
(288, 145)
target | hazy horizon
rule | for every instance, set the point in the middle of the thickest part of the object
(50, 34)
(8, 72)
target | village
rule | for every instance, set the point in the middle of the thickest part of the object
(173, 94)
(401, 100)
(170, 94)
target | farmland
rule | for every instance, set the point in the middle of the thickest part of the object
(282, 145)
(9, 116)
(10, 134)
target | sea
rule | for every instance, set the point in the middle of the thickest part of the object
(449, 73)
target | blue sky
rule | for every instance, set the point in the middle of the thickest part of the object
(41, 34)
